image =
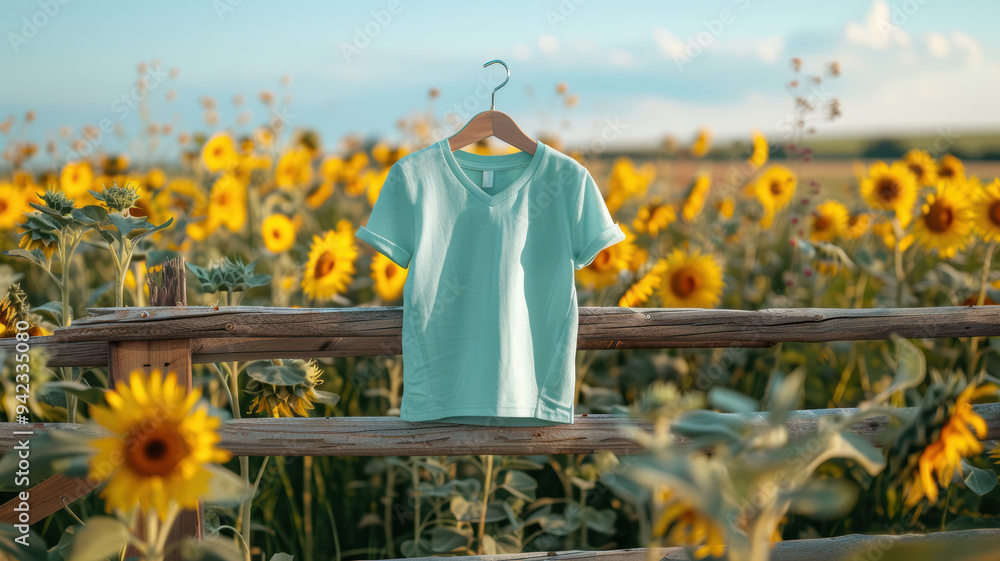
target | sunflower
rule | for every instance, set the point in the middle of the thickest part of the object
(603, 271)
(159, 446)
(760, 150)
(890, 187)
(950, 169)
(774, 189)
(725, 207)
(639, 293)
(294, 168)
(691, 280)
(627, 180)
(375, 179)
(227, 204)
(12, 205)
(945, 222)
(75, 178)
(653, 217)
(857, 225)
(278, 232)
(986, 211)
(829, 220)
(944, 455)
(219, 153)
(331, 171)
(695, 199)
(331, 262)
(287, 400)
(639, 258)
(702, 144)
(14, 308)
(922, 165)
(885, 230)
(389, 278)
(689, 527)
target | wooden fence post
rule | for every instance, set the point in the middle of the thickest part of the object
(167, 287)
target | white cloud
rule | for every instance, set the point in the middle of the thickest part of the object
(769, 49)
(548, 44)
(937, 45)
(974, 58)
(669, 45)
(877, 30)
(620, 57)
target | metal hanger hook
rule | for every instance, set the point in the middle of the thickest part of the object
(493, 95)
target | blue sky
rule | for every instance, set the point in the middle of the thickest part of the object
(655, 68)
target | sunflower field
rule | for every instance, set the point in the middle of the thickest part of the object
(264, 214)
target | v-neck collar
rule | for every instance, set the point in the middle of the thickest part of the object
(481, 162)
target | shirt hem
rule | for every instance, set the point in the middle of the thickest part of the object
(397, 254)
(491, 416)
(610, 236)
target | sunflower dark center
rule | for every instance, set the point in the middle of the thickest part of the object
(822, 223)
(325, 264)
(995, 213)
(940, 217)
(684, 282)
(776, 187)
(603, 259)
(156, 451)
(390, 272)
(887, 189)
(947, 172)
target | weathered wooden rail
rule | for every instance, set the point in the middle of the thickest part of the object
(176, 336)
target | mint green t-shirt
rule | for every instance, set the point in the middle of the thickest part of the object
(490, 311)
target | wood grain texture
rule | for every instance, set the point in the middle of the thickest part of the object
(598, 327)
(843, 548)
(390, 436)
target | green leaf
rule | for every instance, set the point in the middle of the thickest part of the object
(53, 309)
(520, 484)
(224, 487)
(33, 551)
(210, 548)
(328, 398)
(277, 374)
(824, 498)
(88, 394)
(911, 367)
(731, 401)
(90, 215)
(981, 481)
(35, 256)
(52, 451)
(153, 230)
(99, 539)
(602, 521)
(411, 548)
(447, 539)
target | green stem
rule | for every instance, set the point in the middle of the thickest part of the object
(983, 278)
(307, 462)
(387, 522)
(898, 253)
(415, 476)
(486, 499)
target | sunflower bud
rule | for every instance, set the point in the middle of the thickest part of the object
(58, 202)
(118, 199)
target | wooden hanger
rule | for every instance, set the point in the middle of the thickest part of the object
(493, 123)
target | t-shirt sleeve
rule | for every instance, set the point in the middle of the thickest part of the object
(390, 228)
(592, 227)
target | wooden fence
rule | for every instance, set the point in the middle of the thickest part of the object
(173, 336)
